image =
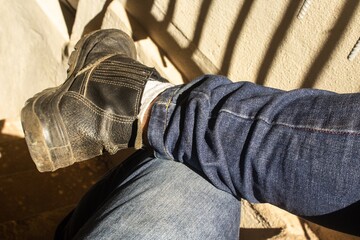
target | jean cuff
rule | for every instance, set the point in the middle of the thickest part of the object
(160, 113)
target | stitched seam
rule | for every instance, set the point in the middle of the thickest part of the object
(170, 103)
(125, 78)
(104, 68)
(82, 85)
(138, 69)
(100, 112)
(116, 83)
(164, 103)
(322, 130)
(167, 105)
(134, 70)
(87, 80)
(94, 64)
(129, 65)
(110, 80)
(112, 72)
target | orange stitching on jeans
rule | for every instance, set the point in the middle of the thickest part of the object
(305, 128)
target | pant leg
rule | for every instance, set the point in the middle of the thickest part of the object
(151, 198)
(298, 150)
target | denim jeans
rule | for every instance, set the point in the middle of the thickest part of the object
(295, 149)
(151, 198)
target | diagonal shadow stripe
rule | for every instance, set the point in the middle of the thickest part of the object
(327, 50)
(235, 33)
(204, 10)
(169, 14)
(258, 233)
(183, 57)
(278, 38)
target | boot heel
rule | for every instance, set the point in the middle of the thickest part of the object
(47, 145)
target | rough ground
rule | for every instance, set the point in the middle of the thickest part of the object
(33, 203)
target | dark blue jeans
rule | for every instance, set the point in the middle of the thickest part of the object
(298, 150)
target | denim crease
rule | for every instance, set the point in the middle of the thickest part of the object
(295, 149)
(216, 142)
(152, 198)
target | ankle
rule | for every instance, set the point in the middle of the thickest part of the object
(151, 92)
(145, 123)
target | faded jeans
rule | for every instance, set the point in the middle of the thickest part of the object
(298, 150)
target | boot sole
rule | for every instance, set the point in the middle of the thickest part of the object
(44, 130)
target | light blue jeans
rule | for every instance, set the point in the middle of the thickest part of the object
(298, 150)
(152, 198)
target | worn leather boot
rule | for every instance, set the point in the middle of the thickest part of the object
(96, 107)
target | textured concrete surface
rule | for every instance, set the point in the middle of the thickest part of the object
(33, 36)
(260, 221)
(260, 41)
(89, 15)
(32, 204)
(148, 52)
(265, 221)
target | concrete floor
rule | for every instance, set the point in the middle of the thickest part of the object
(33, 203)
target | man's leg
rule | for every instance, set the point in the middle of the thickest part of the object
(150, 198)
(298, 150)
(100, 106)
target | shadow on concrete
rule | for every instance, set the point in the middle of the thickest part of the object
(33, 203)
(303, 226)
(183, 59)
(141, 9)
(258, 233)
(68, 12)
(325, 53)
(169, 13)
(184, 56)
(201, 19)
(276, 41)
(95, 23)
(349, 222)
(235, 33)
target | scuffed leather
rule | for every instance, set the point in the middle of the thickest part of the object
(104, 102)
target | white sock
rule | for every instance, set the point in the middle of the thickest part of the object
(151, 91)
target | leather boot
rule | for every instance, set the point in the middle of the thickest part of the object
(96, 107)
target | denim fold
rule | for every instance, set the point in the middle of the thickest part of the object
(298, 150)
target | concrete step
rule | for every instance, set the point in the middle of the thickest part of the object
(40, 226)
(14, 157)
(32, 203)
(27, 193)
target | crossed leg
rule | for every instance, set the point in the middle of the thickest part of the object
(151, 198)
